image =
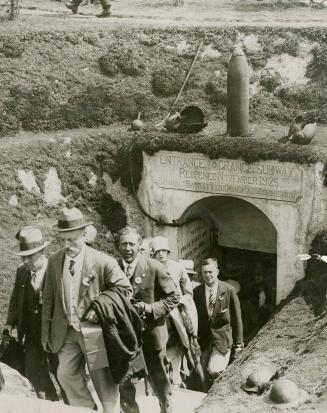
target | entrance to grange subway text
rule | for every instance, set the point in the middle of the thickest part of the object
(244, 242)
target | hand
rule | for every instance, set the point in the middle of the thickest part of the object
(316, 256)
(9, 328)
(92, 317)
(238, 348)
(142, 307)
(46, 346)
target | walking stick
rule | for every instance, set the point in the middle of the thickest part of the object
(146, 385)
(160, 124)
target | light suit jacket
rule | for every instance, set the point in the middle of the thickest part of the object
(107, 274)
(153, 285)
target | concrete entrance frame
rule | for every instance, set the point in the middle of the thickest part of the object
(172, 182)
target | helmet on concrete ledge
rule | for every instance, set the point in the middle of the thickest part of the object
(285, 393)
(191, 120)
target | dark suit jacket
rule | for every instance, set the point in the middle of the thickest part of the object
(226, 326)
(17, 310)
(153, 285)
(107, 274)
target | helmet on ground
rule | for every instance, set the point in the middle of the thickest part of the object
(285, 393)
(257, 378)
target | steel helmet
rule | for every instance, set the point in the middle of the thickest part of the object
(192, 120)
(257, 378)
(285, 393)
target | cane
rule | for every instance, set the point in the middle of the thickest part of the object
(160, 124)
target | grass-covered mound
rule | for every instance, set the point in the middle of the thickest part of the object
(82, 78)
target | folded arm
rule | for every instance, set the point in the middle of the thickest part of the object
(47, 309)
(167, 291)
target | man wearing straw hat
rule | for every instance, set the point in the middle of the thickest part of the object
(76, 274)
(24, 311)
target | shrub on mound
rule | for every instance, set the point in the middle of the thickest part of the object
(130, 63)
(9, 124)
(216, 92)
(291, 46)
(125, 61)
(271, 81)
(12, 48)
(167, 81)
(107, 66)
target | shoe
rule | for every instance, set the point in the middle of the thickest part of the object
(104, 13)
(71, 6)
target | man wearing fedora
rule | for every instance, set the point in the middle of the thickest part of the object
(76, 274)
(155, 296)
(25, 309)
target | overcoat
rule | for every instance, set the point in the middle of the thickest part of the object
(17, 310)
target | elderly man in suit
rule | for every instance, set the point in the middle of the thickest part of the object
(76, 274)
(25, 308)
(220, 321)
(154, 295)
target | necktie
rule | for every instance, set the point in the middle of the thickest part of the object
(212, 301)
(129, 271)
(71, 268)
(33, 280)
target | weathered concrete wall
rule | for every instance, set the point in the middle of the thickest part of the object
(285, 193)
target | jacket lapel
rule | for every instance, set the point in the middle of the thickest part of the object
(203, 302)
(23, 286)
(220, 293)
(87, 272)
(58, 268)
(139, 275)
(120, 263)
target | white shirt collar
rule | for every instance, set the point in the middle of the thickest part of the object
(43, 268)
(79, 259)
(214, 287)
(132, 265)
(39, 274)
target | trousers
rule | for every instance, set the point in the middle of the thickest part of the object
(104, 3)
(175, 355)
(157, 365)
(72, 376)
(37, 370)
(213, 363)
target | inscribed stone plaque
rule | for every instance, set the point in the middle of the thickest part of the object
(194, 241)
(195, 172)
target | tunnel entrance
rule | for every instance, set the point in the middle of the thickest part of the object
(244, 242)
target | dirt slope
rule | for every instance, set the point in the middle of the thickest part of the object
(293, 341)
